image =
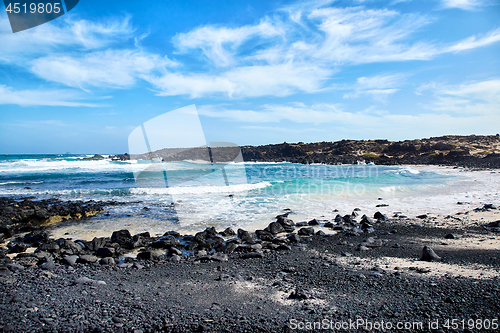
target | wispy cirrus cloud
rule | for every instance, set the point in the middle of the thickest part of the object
(111, 68)
(379, 87)
(365, 123)
(220, 44)
(43, 97)
(249, 81)
(62, 35)
(474, 42)
(296, 49)
(464, 4)
(310, 35)
(470, 98)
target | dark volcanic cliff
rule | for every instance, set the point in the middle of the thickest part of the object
(473, 151)
(467, 151)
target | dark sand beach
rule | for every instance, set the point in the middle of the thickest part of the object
(341, 281)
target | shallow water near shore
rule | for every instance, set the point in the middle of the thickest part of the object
(189, 196)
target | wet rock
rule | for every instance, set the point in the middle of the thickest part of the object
(97, 243)
(308, 231)
(329, 225)
(380, 217)
(246, 236)
(423, 216)
(69, 247)
(87, 259)
(265, 235)
(105, 252)
(121, 237)
(367, 220)
(428, 254)
(276, 228)
(313, 222)
(48, 266)
(230, 247)
(339, 219)
(294, 238)
(166, 242)
(51, 247)
(36, 238)
(348, 219)
(139, 240)
(320, 233)
(200, 237)
(284, 221)
(174, 250)
(70, 260)
(228, 232)
(172, 233)
(450, 236)
(17, 248)
(107, 261)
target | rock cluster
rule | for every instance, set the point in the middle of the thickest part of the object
(25, 214)
(207, 245)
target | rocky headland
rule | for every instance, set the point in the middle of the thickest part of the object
(473, 151)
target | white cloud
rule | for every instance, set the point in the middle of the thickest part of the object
(249, 81)
(92, 34)
(297, 49)
(220, 44)
(115, 68)
(463, 4)
(273, 113)
(42, 97)
(368, 123)
(357, 35)
(379, 87)
(62, 34)
(311, 36)
(473, 42)
(473, 98)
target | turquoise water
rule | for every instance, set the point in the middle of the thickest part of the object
(193, 194)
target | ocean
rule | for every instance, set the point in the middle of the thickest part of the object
(189, 196)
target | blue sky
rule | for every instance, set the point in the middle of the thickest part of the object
(258, 71)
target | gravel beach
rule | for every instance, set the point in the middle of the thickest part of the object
(345, 280)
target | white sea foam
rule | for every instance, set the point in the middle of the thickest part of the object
(200, 189)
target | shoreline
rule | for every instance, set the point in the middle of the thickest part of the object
(261, 285)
